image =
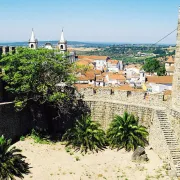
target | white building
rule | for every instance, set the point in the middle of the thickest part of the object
(33, 42)
(169, 66)
(62, 44)
(101, 62)
(48, 46)
(114, 65)
(113, 79)
(157, 84)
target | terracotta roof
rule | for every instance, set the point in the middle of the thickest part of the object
(82, 78)
(90, 75)
(96, 72)
(99, 78)
(167, 92)
(83, 62)
(170, 59)
(113, 61)
(160, 79)
(121, 72)
(82, 86)
(116, 77)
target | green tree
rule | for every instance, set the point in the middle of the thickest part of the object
(161, 71)
(85, 135)
(124, 132)
(12, 163)
(33, 75)
(151, 65)
(159, 51)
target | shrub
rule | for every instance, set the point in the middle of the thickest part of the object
(12, 163)
(124, 132)
(39, 137)
(85, 135)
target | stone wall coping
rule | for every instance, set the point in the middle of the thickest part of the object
(125, 103)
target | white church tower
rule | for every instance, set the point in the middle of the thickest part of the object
(62, 44)
(33, 42)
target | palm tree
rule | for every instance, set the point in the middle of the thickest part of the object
(124, 132)
(12, 163)
(85, 135)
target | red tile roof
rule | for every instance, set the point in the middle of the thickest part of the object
(116, 77)
(160, 79)
(112, 61)
(170, 59)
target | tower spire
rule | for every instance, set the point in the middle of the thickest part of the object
(33, 42)
(62, 40)
(32, 39)
(62, 45)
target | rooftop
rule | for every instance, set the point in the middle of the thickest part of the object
(170, 59)
(116, 77)
(160, 79)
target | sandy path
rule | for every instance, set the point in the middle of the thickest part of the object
(52, 162)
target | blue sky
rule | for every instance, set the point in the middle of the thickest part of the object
(134, 21)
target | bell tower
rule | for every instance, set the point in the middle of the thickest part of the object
(176, 77)
(62, 44)
(33, 42)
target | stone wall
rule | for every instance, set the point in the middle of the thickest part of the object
(132, 97)
(174, 117)
(14, 124)
(157, 139)
(104, 111)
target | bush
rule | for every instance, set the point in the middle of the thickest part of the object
(124, 132)
(85, 135)
(39, 137)
(12, 163)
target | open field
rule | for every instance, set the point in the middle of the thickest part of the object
(83, 49)
(55, 162)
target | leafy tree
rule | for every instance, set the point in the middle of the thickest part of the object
(151, 65)
(40, 80)
(12, 163)
(85, 135)
(124, 132)
(159, 51)
(33, 75)
(161, 71)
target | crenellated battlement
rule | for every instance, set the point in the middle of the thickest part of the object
(7, 49)
(133, 97)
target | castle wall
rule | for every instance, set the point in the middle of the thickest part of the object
(104, 112)
(157, 140)
(174, 117)
(132, 97)
(13, 124)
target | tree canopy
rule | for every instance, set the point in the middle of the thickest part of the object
(153, 65)
(33, 75)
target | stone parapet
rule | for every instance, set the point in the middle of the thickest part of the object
(137, 97)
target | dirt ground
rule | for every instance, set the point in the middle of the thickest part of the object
(55, 162)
